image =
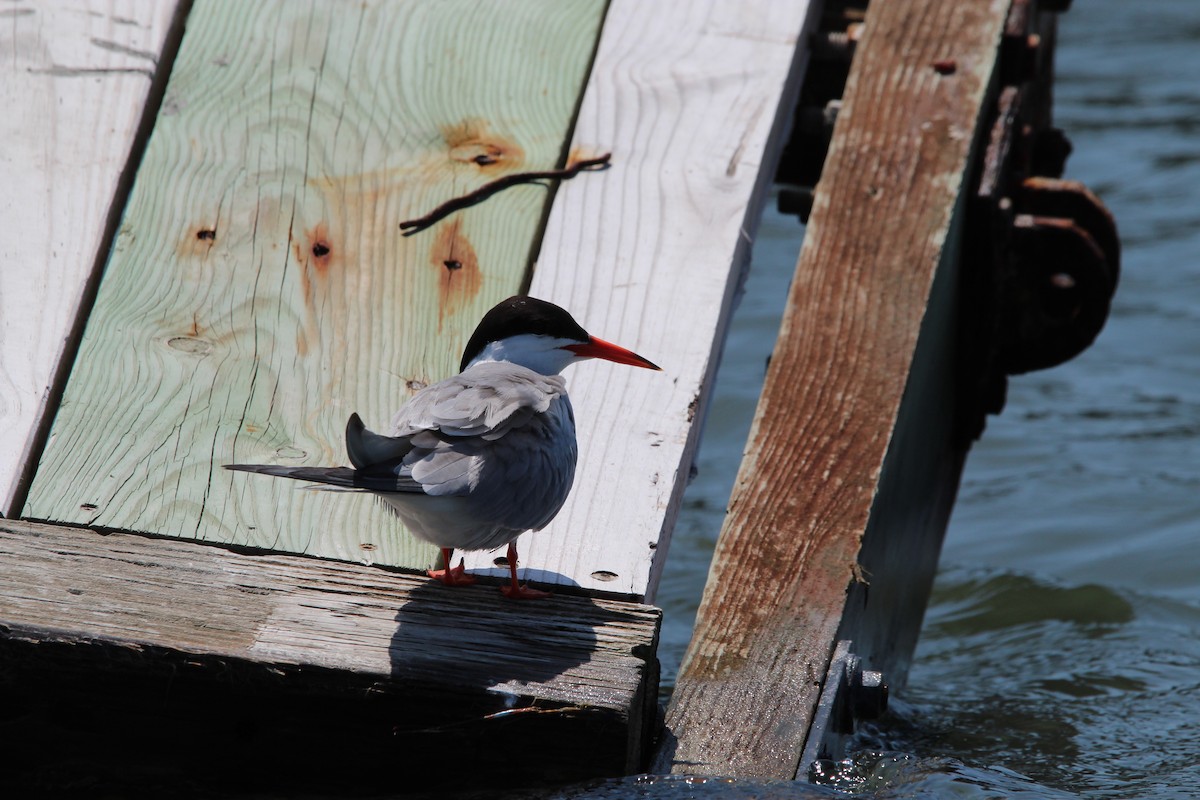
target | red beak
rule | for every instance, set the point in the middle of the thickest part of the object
(598, 348)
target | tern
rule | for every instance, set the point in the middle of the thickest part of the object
(473, 461)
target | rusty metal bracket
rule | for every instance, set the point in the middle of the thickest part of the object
(1042, 253)
(831, 50)
(848, 694)
(1059, 277)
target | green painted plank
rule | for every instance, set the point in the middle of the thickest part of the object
(259, 290)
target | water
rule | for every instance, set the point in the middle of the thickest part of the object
(1061, 650)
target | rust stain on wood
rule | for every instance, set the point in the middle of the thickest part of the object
(471, 142)
(459, 277)
(316, 256)
(197, 241)
(315, 253)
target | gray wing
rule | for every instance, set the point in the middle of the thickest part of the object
(486, 400)
(453, 427)
(528, 474)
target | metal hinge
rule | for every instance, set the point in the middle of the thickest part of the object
(848, 695)
(1042, 256)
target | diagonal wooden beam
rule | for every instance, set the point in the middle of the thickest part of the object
(837, 514)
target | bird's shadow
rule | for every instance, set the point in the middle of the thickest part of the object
(511, 686)
(476, 639)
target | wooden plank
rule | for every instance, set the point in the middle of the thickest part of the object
(75, 76)
(435, 658)
(259, 289)
(838, 468)
(693, 99)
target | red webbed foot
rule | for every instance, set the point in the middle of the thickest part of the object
(451, 576)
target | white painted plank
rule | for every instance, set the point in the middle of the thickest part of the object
(692, 98)
(74, 78)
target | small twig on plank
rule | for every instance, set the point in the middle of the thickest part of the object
(500, 184)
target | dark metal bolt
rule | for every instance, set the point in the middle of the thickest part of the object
(796, 200)
(833, 46)
(868, 694)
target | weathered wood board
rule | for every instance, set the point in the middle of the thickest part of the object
(450, 660)
(75, 77)
(693, 99)
(839, 507)
(259, 289)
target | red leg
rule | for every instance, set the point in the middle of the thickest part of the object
(516, 591)
(451, 576)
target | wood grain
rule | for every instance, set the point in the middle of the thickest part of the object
(74, 78)
(850, 436)
(259, 290)
(326, 626)
(692, 98)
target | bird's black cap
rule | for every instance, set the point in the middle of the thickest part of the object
(518, 315)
